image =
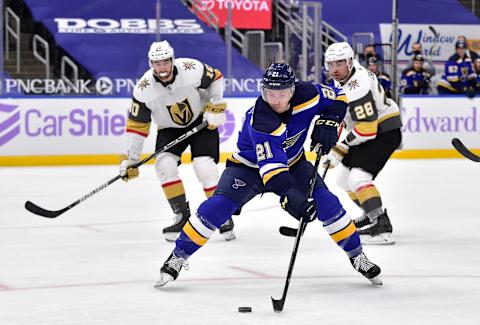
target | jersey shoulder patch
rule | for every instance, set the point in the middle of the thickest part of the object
(359, 85)
(190, 71)
(305, 96)
(143, 90)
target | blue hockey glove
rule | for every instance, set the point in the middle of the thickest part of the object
(325, 134)
(470, 92)
(295, 203)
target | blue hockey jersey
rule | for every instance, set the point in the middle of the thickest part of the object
(459, 74)
(271, 141)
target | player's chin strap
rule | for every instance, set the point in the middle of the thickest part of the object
(278, 303)
(32, 207)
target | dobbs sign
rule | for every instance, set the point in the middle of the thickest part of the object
(246, 14)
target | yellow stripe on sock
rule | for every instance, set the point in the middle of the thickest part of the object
(194, 235)
(173, 189)
(344, 233)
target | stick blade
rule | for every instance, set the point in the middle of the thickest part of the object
(35, 209)
(460, 147)
(277, 305)
(287, 231)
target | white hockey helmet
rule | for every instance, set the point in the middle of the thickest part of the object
(160, 51)
(339, 51)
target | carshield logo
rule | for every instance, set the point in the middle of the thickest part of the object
(9, 123)
(226, 130)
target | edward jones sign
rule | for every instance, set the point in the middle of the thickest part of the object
(246, 14)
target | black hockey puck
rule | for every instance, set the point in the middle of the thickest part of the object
(244, 309)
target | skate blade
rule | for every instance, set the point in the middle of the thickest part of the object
(229, 235)
(382, 239)
(377, 281)
(164, 279)
(171, 236)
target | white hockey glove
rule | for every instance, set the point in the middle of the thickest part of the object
(215, 115)
(126, 172)
(336, 155)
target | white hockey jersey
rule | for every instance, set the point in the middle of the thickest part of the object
(370, 111)
(177, 104)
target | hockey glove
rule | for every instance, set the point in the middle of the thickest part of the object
(324, 134)
(126, 172)
(336, 155)
(297, 205)
(470, 92)
(215, 115)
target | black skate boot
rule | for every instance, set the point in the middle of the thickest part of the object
(362, 222)
(181, 216)
(226, 230)
(170, 270)
(379, 232)
(366, 268)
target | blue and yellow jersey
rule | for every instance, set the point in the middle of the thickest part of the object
(459, 74)
(272, 142)
(415, 82)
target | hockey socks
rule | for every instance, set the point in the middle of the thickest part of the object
(211, 215)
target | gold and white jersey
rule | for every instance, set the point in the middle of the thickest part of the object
(175, 105)
(370, 111)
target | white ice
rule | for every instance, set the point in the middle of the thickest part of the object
(97, 263)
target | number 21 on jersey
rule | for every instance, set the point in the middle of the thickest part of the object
(263, 151)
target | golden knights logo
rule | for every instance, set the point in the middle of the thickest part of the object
(353, 84)
(181, 113)
(143, 84)
(190, 65)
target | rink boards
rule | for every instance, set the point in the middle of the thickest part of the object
(75, 131)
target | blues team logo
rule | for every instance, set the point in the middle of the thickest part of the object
(238, 183)
(181, 113)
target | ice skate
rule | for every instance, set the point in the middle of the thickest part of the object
(362, 222)
(366, 268)
(226, 230)
(378, 233)
(171, 233)
(170, 270)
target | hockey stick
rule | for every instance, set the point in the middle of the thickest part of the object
(33, 208)
(457, 144)
(292, 232)
(435, 40)
(278, 303)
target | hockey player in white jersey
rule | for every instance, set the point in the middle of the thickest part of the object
(177, 94)
(373, 133)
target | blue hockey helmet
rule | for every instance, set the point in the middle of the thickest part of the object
(278, 76)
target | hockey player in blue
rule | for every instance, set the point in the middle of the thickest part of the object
(459, 76)
(415, 79)
(271, 158)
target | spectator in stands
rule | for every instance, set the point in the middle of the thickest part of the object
(459, 76)
(383, 78)
(477, 71)
(472, 54)
(427, 64)
(368, 52)
(415, 79)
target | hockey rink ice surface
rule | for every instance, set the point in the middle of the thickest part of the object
(97, 263)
